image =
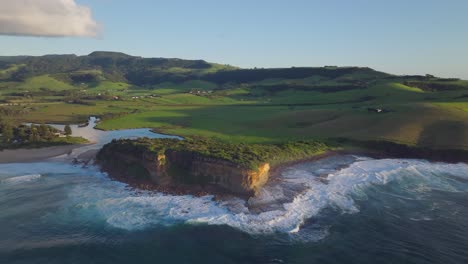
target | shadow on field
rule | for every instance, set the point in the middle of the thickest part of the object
(413, 122)
(444, 133)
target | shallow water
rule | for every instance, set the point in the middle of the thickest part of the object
(342, 209)
(99, 137)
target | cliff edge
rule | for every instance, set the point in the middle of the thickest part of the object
(237, 168)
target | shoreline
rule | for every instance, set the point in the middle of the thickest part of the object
(218, 193)
(24, 155)
(383, 150)
(393, 150)
(276, 170)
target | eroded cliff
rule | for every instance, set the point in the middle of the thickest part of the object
(239, 169)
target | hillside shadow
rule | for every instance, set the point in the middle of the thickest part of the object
(259, 122)
(443, 134)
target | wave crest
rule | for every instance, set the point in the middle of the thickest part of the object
(283, 208)
(21, 179)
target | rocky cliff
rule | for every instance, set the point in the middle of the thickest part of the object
(183, 167)
(239, 169)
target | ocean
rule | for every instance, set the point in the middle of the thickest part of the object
(341, 209)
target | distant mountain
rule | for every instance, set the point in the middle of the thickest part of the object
(120, 67)
(112, 65)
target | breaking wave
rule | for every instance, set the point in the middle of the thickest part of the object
(21, 179)
(284, 206)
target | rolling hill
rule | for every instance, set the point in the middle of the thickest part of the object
(195, 97)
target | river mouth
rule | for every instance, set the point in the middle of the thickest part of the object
(98, 138)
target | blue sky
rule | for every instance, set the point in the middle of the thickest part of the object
(402, 37)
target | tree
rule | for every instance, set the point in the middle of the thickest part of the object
(34, 135)
(44, 131)
(430, 76)
(7, 132)
(22, 133)
(67, 130)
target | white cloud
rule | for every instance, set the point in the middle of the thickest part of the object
(48, 18)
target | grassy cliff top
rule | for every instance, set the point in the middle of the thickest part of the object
(245, 155)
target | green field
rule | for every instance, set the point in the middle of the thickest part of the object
(252, 106)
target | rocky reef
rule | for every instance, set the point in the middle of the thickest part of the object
(193, 163)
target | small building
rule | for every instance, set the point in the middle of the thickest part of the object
(375, 110)
(59, 134)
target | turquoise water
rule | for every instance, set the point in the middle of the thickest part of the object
(343, 209)
(390, 211)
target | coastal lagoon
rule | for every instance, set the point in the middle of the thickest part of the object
(340, 209)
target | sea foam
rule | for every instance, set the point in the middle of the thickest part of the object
(21, 179)
(126, 209)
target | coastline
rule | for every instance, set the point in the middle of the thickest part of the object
(218, 192)
(276, 170)
(380, 149)
(376, 150)
(35, 154)
(25, 155)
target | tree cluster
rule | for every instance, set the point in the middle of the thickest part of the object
(22, 134)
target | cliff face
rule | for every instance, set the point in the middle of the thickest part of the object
(239, 168)
(184, 167)
(226, 174)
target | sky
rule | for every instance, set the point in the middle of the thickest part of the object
(398, 36)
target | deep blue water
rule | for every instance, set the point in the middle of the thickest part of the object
(385, 211)
(343, 209)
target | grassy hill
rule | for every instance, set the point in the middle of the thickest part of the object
(194, 97)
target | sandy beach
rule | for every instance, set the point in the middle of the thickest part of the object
(33, 155)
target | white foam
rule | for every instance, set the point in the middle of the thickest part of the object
(21, 179)
(123, 208)
(421, 219)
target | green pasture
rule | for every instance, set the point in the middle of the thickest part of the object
(250, 113)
